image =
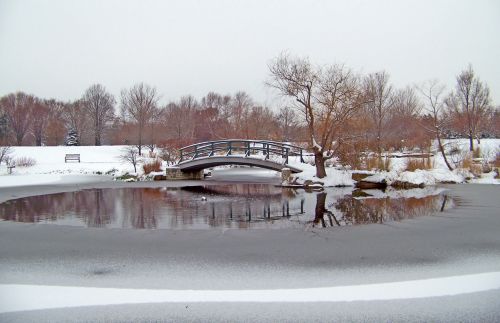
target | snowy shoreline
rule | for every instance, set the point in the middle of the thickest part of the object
(103, 163)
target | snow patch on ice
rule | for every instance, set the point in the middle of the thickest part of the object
(27, 297)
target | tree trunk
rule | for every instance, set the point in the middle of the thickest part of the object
(319, 160)
(320, 209)
(441, 149)
(471, 142)
(19, 140)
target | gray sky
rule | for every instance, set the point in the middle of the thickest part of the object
(58, 48)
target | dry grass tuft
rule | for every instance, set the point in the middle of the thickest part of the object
(476, 153)
(25, 162)
(377, 163)
(467, 162)
(418, 163)
(154, 166)
(496, 162)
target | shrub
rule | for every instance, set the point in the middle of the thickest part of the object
(153, 166)
(476, 153)
(25, 162)
(370, 162)
(466, 162)
(377, 162)
(384, 163)
(349, 155)
(496, 162)
(418, 163)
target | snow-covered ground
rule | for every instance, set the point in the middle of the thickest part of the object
(397, 173)
(103, 162)
(96, 164)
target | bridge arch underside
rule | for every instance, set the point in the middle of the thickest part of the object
(208, 162)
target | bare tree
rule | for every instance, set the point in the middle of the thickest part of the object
(131, 155)
(288, 123)
(5, 151)
(402, 123)
(178, 120)
(432, 91)
(41, 114)
(138, 104)
(152, 134)
(56, 131)
(99, 106)
(76, 119)
(325, 100)
(379, 97)
(260, 124)
(470, 101)
(241, 105)
(17, 107)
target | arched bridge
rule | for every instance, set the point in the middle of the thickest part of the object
(265, 154)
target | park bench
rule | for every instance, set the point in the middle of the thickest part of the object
(9, 167)
(71, 157)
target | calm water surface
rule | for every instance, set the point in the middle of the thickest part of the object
(223, 206)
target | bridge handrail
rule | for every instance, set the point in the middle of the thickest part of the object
(268, 146)
(278, 143)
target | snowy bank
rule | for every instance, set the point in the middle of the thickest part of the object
(97, 163)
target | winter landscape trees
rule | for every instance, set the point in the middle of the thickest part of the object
(326, 99)
(139, 106)
(470, 103)
(331, 109)
(99, 106)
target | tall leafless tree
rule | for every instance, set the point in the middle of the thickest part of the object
(432, 92)
(288, 123)
(178, 120)
(241, 105)
(379, 97)
(99, 106)
(18, 109)
(139, 104)
(326, 99)
(470, 101)
(41, 114)
(402, 124)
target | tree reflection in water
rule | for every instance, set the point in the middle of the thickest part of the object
(237, 206)
(351, 210)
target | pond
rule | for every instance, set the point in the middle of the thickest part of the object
(240, 206)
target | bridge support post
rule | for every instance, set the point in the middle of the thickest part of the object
(175, 173)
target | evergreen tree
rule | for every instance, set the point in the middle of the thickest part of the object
(72, 138)
(3, 127)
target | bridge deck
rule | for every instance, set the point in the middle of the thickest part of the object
(208, 162)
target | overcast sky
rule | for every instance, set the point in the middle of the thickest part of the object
(57, 48)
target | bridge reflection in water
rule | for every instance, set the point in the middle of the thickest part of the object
(238, 206)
